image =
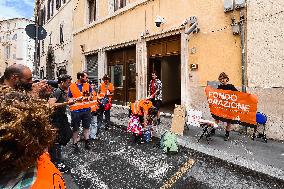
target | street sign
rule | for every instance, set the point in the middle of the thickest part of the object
(31, 32)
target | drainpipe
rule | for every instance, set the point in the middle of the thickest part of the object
(242, 27)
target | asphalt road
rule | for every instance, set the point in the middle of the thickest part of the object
(116, 162)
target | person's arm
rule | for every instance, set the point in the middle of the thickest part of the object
(111, 89)
(53, 100)
(233, 88)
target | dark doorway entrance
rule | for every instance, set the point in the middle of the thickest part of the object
(122, 70)
(164, 59)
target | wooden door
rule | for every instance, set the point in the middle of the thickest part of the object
(122, 70)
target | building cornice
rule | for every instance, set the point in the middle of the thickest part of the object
(57, 12)
(7, 20)
(114, 14)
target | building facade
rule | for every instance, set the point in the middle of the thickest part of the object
(129, 39)
(15, 45)
(127, 44)
(56, 16)
(265, 60)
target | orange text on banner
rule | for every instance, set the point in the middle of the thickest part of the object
(232, 105)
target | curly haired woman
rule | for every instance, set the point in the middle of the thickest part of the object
(25, 134)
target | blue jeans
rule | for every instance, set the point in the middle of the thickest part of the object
(107, 118)
(93, 127)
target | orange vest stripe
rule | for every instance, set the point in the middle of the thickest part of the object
(76, 93)
(104, 88)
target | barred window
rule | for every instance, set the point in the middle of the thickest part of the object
(118, 4)
(92, 5)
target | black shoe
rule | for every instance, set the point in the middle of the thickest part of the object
(87, 145)
(76, 148)
(212, 132)
(98, 131)
(226, 138)
(106, 127)
(62, 167)
(158, 121)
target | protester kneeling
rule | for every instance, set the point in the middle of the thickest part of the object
(140, 124)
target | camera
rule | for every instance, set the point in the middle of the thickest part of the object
(159, 21)
(52, 83)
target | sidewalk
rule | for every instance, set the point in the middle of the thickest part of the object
(266, 158)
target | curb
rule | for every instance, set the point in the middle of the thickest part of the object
(223, 155)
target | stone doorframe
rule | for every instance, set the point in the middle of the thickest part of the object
(142, 62)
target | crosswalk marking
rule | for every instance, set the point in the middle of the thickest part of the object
(183, 169)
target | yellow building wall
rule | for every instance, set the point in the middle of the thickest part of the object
(215, 51)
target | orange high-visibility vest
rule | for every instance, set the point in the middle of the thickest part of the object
(48, 176)
(104, 88)
(76, 93)
(94, 103)
(135, 108)
(146, 105)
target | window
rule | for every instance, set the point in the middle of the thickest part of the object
(7, 52)
(61, 34)
(8, 37)
(92, 10)
(118, 4)
(15, 37)
(116, 74)
(42, 17)
(50, 5)
(48, 9)
(14, 56)
(58, 4)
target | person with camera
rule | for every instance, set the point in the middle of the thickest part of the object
(59, 120)
(105, 94)
(155, 94)
(80, 93)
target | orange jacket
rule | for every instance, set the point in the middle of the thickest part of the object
(139, 107)
(94, 103)
(104, 88)
(48, 176)
(76, 93)
(136, 108)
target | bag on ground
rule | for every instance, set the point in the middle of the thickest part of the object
(169, 142)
